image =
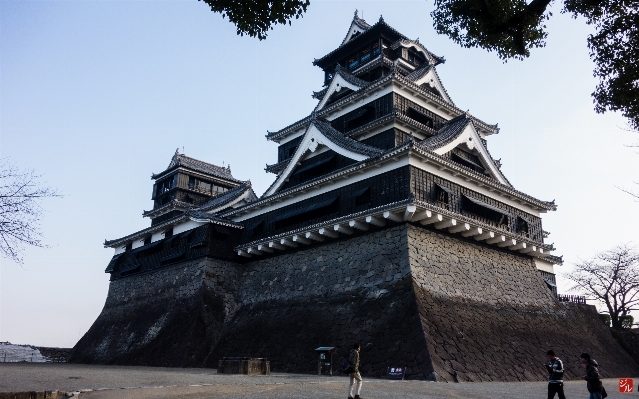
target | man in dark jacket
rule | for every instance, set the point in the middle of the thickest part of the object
(355, 376)
(595, 387)
(555, 368)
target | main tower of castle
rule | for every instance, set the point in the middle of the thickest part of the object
(388, 223)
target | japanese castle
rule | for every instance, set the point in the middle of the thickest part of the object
(385, 144)
(388, 223)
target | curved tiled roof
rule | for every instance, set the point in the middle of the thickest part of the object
(199, 215)
(165, 208)
(432, 58)
(360, 23)
(383, 80)
(227, 197)
(345, 142)
(349, 77)
(419, 72)
(198, 166)
(447, 133)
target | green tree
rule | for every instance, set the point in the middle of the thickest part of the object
(256, 17)
(512, 27)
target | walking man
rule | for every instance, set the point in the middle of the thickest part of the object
(355, 376)
(595, 387)
(555, 368)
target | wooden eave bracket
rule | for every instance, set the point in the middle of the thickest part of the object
(446, 221)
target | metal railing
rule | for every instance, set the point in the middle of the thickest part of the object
(572, 298)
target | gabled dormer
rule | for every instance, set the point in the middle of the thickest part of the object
(341, 85)
(357, 26)
(321, 138)
(459, 140)
(427, 78)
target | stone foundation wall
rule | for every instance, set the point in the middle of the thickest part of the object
(489, 316)
(358, 290)
(629, 340)
(443, 307)
(170, 317)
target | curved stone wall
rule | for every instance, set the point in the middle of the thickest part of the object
(489, 316)
(443, 307)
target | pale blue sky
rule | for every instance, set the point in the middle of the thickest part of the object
(97, 95)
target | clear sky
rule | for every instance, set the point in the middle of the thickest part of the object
(97, 95)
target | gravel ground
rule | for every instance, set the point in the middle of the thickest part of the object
(123, 382)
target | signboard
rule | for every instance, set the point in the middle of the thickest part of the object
(395, 373)
(625, 385)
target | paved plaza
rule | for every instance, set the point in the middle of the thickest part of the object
(122, 382)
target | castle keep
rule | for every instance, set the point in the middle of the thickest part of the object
(388, 223)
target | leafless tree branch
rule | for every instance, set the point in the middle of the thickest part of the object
(612, 278)
(20, 210)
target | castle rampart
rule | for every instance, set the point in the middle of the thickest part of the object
(447, 309)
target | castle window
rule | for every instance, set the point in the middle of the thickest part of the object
(489, 213)
(366, 55)
(199, 185)
(219, 189)
(203, 186)
(375, 48)
(443, 194)
(168, 233)
(165, 185)
(522, 226)
(362, 196)
(420, 117)
(353, 62)
(307, 213)
(360, 117)
(147, 240)
(128, 246)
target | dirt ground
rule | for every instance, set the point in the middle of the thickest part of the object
(121, 382)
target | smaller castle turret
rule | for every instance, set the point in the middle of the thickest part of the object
(187, 183)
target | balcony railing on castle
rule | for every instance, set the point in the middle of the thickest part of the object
(572, 298)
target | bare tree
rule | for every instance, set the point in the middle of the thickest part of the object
(20, 211)
(611, 277)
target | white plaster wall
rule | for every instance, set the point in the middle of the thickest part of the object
(544, 265)
(188, 225)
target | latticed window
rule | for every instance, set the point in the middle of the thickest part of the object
(353, 63)
(443, 195)
(404, 105)
(200, 185)
(420, 117)
(220, 189)
(522, 226)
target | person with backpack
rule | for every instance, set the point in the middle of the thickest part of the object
(353, 358)
(595, 387)
(555, 369)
